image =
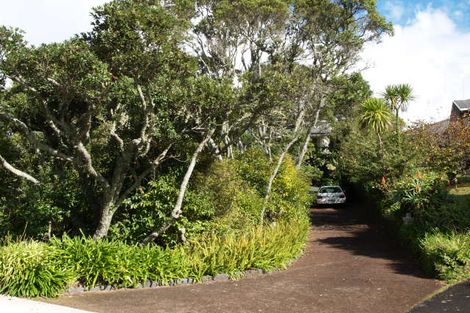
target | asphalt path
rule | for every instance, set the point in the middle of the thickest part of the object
(452, 300)
(348, 266)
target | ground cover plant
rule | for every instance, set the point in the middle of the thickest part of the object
(31, 269)
(224, 234)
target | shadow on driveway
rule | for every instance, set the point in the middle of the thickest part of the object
(348, 266)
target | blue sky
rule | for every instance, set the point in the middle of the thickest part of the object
(402, 12)
(430, 51)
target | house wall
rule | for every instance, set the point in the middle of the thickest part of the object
(455, 113)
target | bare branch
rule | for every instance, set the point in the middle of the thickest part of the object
(17, 172)
(116, 137)
(88, 164)
(143, 142)
(141, 177)
(32, 138)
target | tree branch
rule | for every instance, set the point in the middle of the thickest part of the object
(17, 172)
(32, 138)
(88, 164)
(138, 180)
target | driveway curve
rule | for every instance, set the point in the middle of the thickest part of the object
(348, 266)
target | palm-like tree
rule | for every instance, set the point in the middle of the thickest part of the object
(398, 97)
(376, 115)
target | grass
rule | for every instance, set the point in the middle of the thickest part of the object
(461, 191)
(461, 196)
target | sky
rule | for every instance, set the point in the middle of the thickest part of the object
(430, 49)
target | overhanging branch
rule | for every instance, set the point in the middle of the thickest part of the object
(17, 172)
(33, 139)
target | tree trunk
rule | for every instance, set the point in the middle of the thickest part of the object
(177, 209)
(304, 150)
(397, 126)
(176, 213)
(274, 174)
(382, 151)
(216, 150)
(308, 138)
(298, 123)
(107, 212)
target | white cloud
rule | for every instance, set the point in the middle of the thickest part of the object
(432, 55)
(47, 21)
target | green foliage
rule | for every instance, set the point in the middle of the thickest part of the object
(55, 206)
(225, 196)
(290, 198)
(376, 115)
(448, 254)
(32, 269)
(118, 264)
(408, 174)
(350, 92)
(37, 269)
(418, 193)
(265, 247)
(425, 195)
(241, 195)
(150, 208)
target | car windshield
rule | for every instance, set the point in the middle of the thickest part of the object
(330, 189)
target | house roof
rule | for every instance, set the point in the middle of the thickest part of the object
(462, 105)
(439, 127)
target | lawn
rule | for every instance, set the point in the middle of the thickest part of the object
(461, 196)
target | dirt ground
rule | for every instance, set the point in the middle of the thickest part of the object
(348, 266)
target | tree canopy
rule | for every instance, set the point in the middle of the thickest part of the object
(160, 82)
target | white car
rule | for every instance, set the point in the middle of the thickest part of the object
(331, 195)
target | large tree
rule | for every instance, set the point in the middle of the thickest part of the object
(159, 79)
(101, 102)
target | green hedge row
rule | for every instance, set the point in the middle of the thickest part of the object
(438, 232)
(31, 268)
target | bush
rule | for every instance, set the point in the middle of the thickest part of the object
(264, 247)
(223, 197)
(37, 269)
(32, 269)
(150, 208)
(448, 254)
(238, 187)
(115, 263)
(438, 233)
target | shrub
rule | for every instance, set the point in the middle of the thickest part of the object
(264, 247)
(118, 264)
(237, 204)
(224, 196)
(150, 208)
(32, 269)
(291, 192)
(448, 254)
(115, 263)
